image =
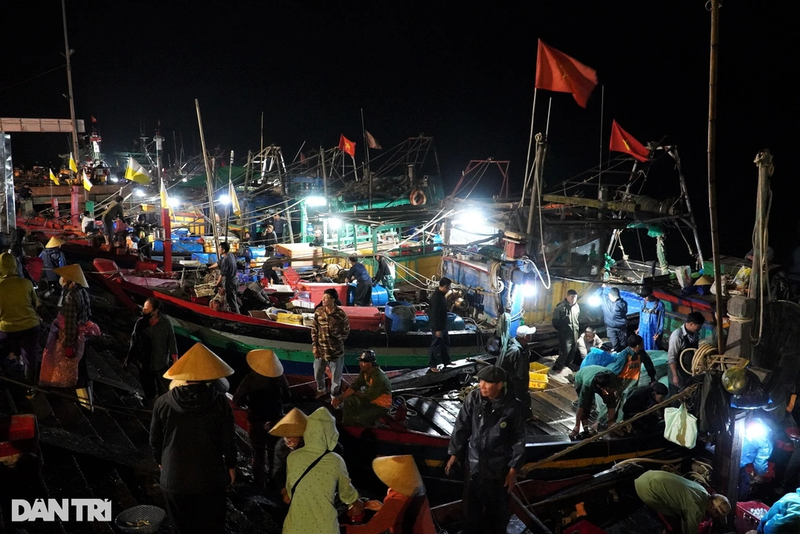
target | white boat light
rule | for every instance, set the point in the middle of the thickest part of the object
(139, 192)
(315, 202)
(529, 290)
(224, 199)
(334, 224)
(594, 300)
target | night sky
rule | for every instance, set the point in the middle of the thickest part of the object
(459, 71)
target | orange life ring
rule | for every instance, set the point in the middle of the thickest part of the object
(418, 197)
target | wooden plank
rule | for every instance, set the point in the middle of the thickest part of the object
(431, 411)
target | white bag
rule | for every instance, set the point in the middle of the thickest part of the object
(681, 426)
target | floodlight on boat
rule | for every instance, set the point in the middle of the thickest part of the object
(224, 199)
(470, 216)
(529, 289)
(594, 300)
(139, 192)
(756, 431)
(174, 202)
(334, 223)
(315, 202)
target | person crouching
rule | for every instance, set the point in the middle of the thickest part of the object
(369, 397)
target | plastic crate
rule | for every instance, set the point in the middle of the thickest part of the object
(537, 371)
(537, 384)
(743, 511)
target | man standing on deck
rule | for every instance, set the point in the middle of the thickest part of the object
(154, 348)
(685, 337)
(229, 276)
(615, 316)
(112, 213)
(328, 333)
(279, 225)
(566, 321)
(515, 361)
(490, 433)
(651, 319)
(437, 319)
(384, 274)
(358, 272)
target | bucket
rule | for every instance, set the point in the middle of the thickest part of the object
(400, 316)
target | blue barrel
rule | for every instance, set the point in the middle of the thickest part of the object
(379, 294)
(421, 323)
(400, 316)
(455, 322)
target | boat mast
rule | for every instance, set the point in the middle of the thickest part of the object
(209, 180)
(712, 179)
(67, 54)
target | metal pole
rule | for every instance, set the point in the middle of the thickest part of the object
(209, 180)
(602, 108)
(530, 143)
(247, 174)
(673, 151)
(366, 157)
(67, 54)
(324, 175)
(712, 180)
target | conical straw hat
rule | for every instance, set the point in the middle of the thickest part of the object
(73, 273)
(293, 425)
(399, 473)
(264, 362)
(54, 243)
(198, 364)
(704, 281)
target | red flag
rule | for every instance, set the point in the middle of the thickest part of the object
(622, 141)
(556, 71)
(93, 119)
(372, 142)
(347, 146)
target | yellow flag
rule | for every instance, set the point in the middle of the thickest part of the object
(165, 198)
(54, 178)
(234, 200)
(87, 184)
(136, 173)
(72, 165)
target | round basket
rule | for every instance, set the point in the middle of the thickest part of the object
(148, 518)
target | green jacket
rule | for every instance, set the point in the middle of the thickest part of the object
(18, 302)
(674, 495)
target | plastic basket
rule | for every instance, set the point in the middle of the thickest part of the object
(538, 372)
(537, 384)
(151, 516)
(743, 510)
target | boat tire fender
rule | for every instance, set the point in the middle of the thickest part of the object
(418, 197)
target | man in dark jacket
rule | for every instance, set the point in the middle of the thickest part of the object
(358, 272)
(490, 433)
(590, 381)
(229, 276)
(437, 319)
(615, 316)
(516, 362)
(264, 391)
(640, 400)
(566, 321)
(384, 274)
(194, 442)
(153, 347)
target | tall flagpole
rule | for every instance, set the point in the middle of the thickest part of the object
(530, 143)
(67, 54)
(602, 108)
(366, 157)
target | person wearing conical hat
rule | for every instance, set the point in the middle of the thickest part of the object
(314, 474)
(194, 443)
(290, 429)
(53, 258)
(406, 509)
(263, 391)
(63, 364)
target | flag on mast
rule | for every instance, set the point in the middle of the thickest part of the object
(622, 141)
(87, 183)
(136, 173)
(372, 142)
(556, 71)
(234, 199)
(53, 178)
(165, 199)
(347, 146)
(72, 165)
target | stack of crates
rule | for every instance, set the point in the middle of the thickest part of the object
(537, 376)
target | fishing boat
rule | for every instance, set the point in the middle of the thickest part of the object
(235, 335)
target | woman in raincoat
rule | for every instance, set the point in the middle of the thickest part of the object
(314, 474)
(63, 364)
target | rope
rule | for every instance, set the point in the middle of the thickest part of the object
(613, 428)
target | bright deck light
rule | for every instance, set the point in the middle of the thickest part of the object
(594, 300)
(529, 289)
(174, 202)
(315, 202)
(756, 431)
(139, 192)
(334, 224)
(224, 199)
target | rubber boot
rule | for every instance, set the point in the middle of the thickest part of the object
(30, 380)
(85, 398)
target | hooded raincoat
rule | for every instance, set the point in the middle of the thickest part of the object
(312, 508)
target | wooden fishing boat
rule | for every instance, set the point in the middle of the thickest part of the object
(235, 335)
